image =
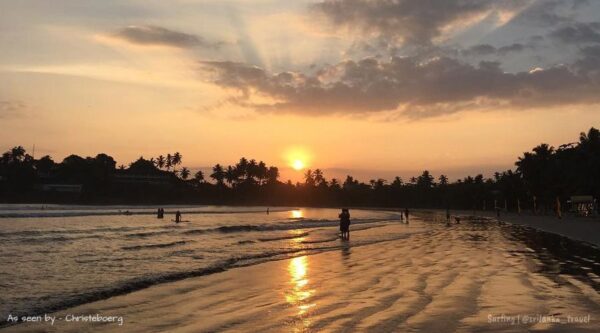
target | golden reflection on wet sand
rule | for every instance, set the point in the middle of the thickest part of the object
(300, 292)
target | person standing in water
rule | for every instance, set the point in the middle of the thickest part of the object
(406, 214)
(345, 223)
(177, 217)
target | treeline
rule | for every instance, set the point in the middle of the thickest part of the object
(540, 177)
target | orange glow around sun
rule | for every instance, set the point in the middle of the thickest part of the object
(298, 165)
(298, 158)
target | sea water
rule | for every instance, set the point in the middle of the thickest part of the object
(54, 256)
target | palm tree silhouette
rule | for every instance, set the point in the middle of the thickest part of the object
(199, 177)
(169, 162)
(443, 180)
(160, 161)
(242, 168)
(176, 159)
(272, 175)
(185, 173)
(309, 178)
(231, 176)
(319, 179)
(218, 174)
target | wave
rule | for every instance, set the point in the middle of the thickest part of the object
(147, 234)
(321, 240)
(272, 239)
(73, 231)
(34, 240)
(288, 225)
(125, 287)
(152, 246)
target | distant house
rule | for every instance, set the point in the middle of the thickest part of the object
(583, 205)
(62, 188)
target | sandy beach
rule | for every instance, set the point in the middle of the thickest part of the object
(474, 277)
(585, 229)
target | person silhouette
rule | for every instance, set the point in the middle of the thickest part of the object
(177, 217)
(406, 214)
(345, 223)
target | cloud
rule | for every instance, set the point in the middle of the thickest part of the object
(412, 21)
(155, 35)
(549, 13)
(11, 108)
(410, 86)
(578, 33)
(487, 49)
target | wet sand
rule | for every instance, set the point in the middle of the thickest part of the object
(473, 277)
(585, 229)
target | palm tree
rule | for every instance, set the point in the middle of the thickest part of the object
(261, 172)
(443, 180)
(272, 175)
(350, 183)
(185, 173)
(176, 159)
(199, 177)
(334, 184)
(319, 178)
(397, 182)
(231, 175)
(169, 162)
(425, 180)
(252, 171)
(309, 178)
(160, 161)
(218, 174)
(242, 168)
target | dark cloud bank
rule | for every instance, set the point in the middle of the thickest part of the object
(411, 21)
(420, 89)
(155, 35)
(423, 86)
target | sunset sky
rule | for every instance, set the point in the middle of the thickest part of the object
(373, 88)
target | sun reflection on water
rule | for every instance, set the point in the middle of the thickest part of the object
(297, 214)
(300, 293)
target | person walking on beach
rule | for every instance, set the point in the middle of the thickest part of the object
(345, 224)
(406, 214)
(177, 217)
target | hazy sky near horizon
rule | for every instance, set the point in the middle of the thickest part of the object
(373, 88)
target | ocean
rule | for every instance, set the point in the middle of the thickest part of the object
(56, 256)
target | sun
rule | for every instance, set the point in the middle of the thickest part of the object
(298, 165)
(297, 157)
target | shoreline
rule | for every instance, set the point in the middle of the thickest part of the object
(583, 229)
(441, 280)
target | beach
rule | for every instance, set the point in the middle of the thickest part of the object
(586, 229)
(477, 276)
